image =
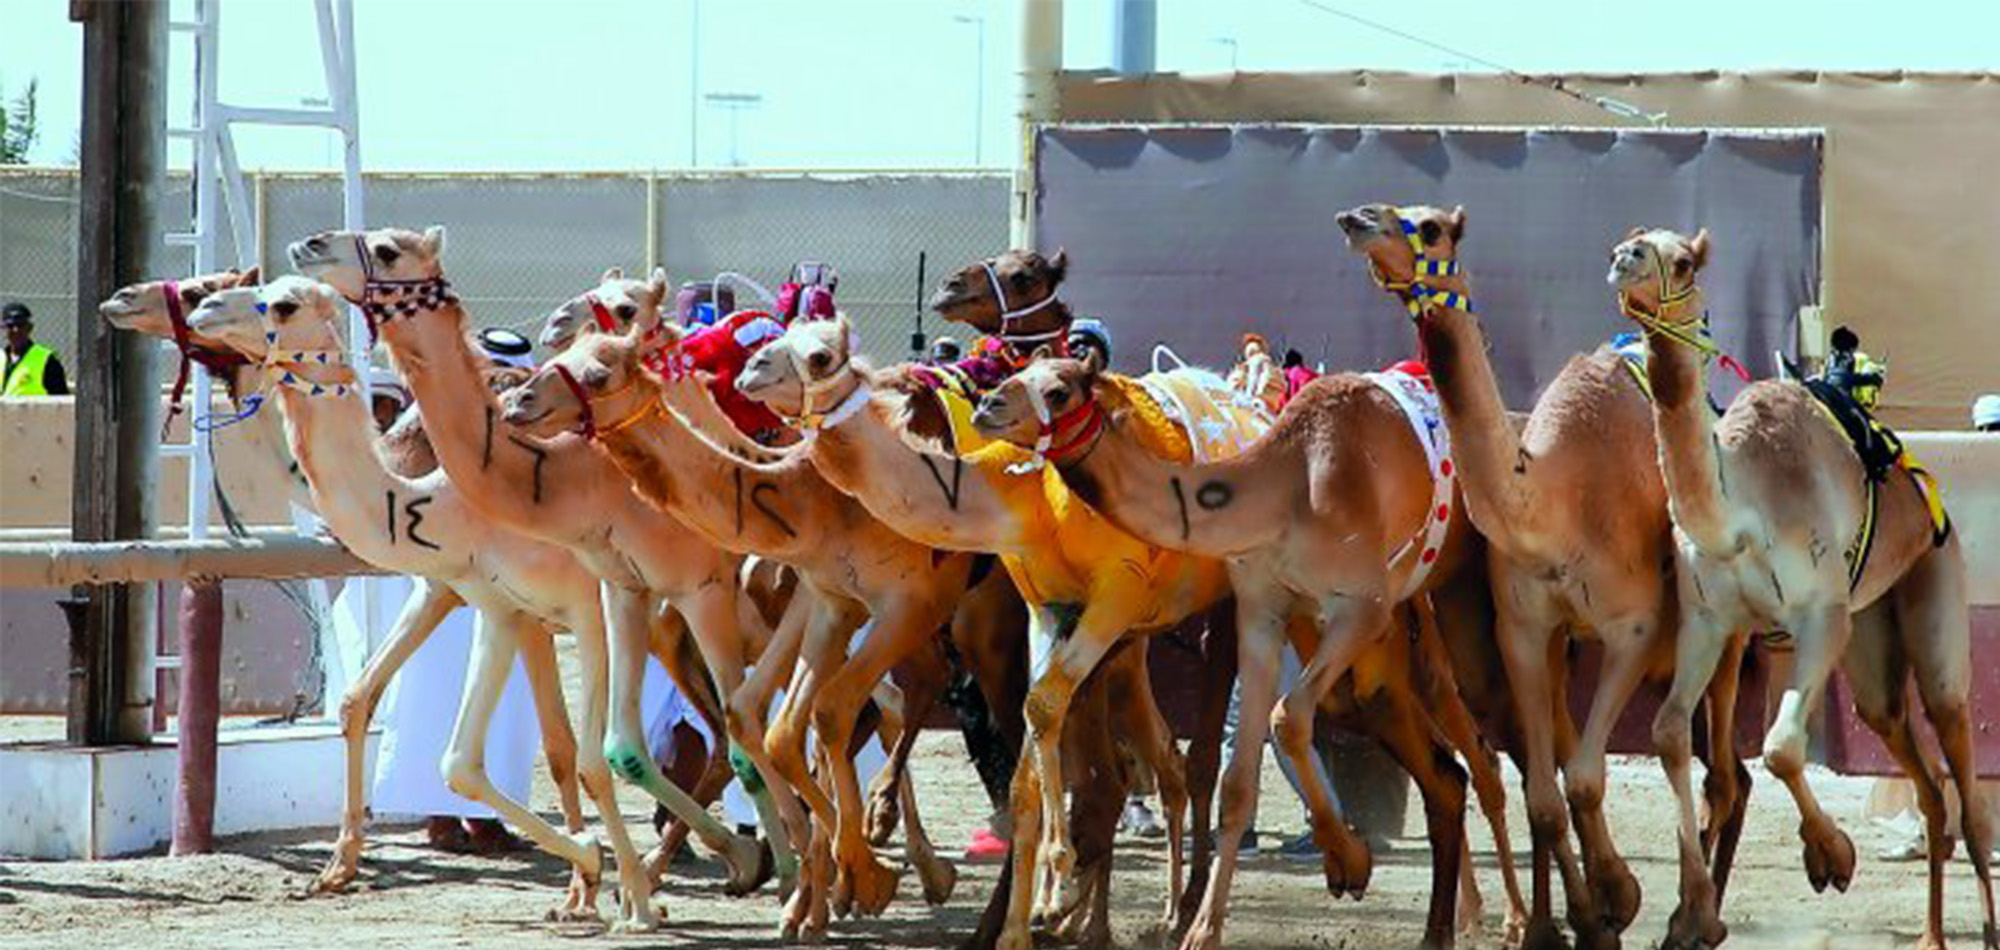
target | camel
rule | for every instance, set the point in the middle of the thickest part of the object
(785, 512)
(1761, 499)
(567, 494)
(1575, 518)
(1076, 571)
(517, 584)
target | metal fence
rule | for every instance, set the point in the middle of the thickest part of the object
(520, 244)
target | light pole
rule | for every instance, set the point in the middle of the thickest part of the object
(735, 103)
(978, 86)
(694, 86)
(1230, 42)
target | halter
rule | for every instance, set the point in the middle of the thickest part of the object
(283, 367)
(215, 361)
(1692, 332)
(586, 423)
(1009, 317)
(809, 422)
(383, 301)
(1415, 291)
(600, 313)
(1076, 427)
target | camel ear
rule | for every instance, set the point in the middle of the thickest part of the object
(610, 274)
(1059, 265)
(1043, 352)
(434, 240)
(659, 285)
(1699, 248)
(1635, 232)
(251, 277)
(1457, 219)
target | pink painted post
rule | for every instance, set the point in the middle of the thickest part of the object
(200, 703)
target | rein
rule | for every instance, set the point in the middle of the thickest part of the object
(1415, 291)
(215, 361)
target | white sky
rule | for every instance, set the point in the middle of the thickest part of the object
(605, 84)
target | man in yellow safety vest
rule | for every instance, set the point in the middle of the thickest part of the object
(32, 369)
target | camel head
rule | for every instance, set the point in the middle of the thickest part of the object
(1656, 268)
(809, 368)
(1388, 237)
(983, 294)
(615, 305)
(290, 313)
(143, 307)
(575, 389)
(1048, 403)
(349, 260)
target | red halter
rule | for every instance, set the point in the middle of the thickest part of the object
(587, 419)
(215, 361)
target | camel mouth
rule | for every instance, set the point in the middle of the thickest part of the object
(303, 256)
(522, 412)
(122, 315)
(1358, 228)
(947, 299)
(1626, 268)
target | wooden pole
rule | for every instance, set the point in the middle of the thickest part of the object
(200, 712)
(117, 412)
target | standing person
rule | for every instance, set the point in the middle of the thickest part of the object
(1986, 413)
(1256, 376)
(1297, 374)
(32, 369)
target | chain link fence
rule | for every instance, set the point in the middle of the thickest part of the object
(520, 244)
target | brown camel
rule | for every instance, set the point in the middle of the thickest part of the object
(1762, 499)
(1076, 570)
(569, 496)
(1575, 517)
(160, 309)
(786, 512)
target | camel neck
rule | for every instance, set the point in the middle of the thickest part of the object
(1495, 467)
(332, 437)
(1689, 456)
(945, 501)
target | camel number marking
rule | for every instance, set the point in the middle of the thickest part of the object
(1214, 496)
(950, 491)
(541, 455)
(756, 497)
(413, 510)
(1180, 497)
(486, 451)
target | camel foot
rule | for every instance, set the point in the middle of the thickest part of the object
(637, 917)
(1514, 931)
(1992, 935)
(1347, 862)
(1597, 938)
(1829, 859)
(579, 903)
(1694, 929)
(1013, 938)
(1617, 892)
(867, 885)
(884, 814)
(1202, 934)
(802, 922)
(334, 878)
(939, 878)
(1543, 934)
(1931, 942)
(750, 865)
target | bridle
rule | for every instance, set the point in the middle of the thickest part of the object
(1417, 292)
(215, 361)
(586, 423)
(1008, 317)
(283, 366)
(1080, 425)
(383, 301)
(1691, 332)
(808, 422)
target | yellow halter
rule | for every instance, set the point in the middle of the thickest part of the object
(1691, 332)
(1415, 291)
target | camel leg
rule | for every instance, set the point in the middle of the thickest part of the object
(745, 711)
(1038, 784)
(429, 603)
(1449, 713)
(829, 625)
(1821, 636)
(1528, 649)
(899, 732)
(495, 642)
(1204, 752)
(538, 662)
(626, 613)
(1139, 721)
(899, 630)
(1404, 730)
(1351, 625)
(1932, 618)
(1098, 786)
(682, 661)
(1727, 787)
(1700, 645)
(1613, 887)
(635, 888)
(1261, 615)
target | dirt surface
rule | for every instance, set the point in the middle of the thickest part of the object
(410, 897)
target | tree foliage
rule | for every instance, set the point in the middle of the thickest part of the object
(18, 127)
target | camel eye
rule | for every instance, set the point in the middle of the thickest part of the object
(1019, 279)
(626, 311)
(1430, 232)
(285, 309)
(1682, 266)
(387, 254)
(190, 295)
(819, 361)
(1059, 395)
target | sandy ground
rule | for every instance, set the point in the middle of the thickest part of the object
(410, 897)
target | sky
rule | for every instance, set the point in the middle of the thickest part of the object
(612, 85)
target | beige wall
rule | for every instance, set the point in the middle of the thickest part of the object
(1910, 201)
(37, 456)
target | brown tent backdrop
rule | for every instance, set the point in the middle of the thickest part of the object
(1910, 196)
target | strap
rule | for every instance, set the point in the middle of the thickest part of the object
(587, 418)
(1008, 316)
(600, 313)
(383, 301)
(1415, 291)
(1416, 400)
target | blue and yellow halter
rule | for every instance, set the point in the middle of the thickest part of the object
(1415, 291)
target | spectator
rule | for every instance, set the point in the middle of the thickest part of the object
(32, 369)
(1297, 373)
(507, 348)
(1256, 376)
(946, 350)
(1087, 334)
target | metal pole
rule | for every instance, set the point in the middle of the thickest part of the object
(694, 85)
(1134, 34)
(118, 405)
(979, 101)
(200, 712)
(1041, 60)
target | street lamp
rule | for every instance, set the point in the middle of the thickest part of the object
(1230, 42)
(735, 103)
(978, 86)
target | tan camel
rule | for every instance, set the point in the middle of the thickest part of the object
(1575, 516)
(1762, 500)
(1075, 569)
(570, 495)
(786, 512)
(517, 584)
